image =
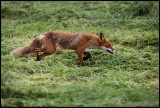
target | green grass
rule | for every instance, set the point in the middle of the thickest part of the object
(130, 77)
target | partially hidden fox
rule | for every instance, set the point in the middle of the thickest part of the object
(80, 42)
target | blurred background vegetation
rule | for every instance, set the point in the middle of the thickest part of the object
(121, 14)
(128, 78)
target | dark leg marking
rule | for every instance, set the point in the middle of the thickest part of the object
(88, 55)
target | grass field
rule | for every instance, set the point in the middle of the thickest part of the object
(130, 77)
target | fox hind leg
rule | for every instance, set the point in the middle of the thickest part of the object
(48, 49)
(46, 53)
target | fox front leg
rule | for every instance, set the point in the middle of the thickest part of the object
(80, 58)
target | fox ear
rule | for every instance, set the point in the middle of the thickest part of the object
(101, 38)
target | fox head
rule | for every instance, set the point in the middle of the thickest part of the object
(105, 44)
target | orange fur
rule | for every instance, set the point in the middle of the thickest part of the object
(80, 42)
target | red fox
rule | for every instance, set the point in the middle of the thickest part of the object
(81, 42)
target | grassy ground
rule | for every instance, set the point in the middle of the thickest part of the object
(130, 77)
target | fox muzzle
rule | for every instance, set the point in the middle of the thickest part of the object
(110, 51)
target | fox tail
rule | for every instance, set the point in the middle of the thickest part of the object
(28, 50)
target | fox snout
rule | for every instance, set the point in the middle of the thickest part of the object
(111, 51)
